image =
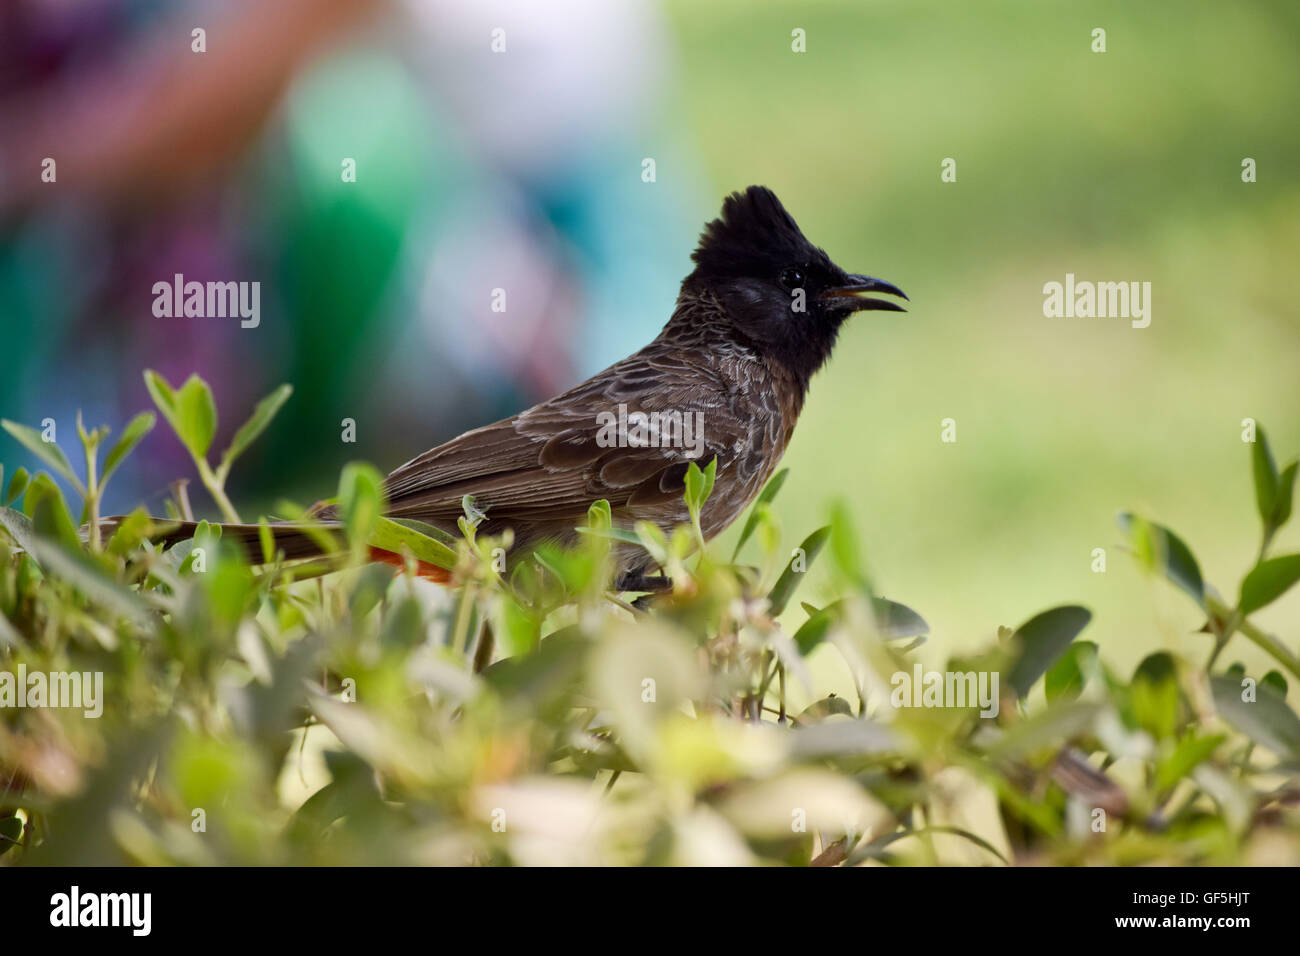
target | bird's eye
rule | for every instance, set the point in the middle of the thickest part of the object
(792, 278)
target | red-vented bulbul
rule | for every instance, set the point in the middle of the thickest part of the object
(727, 376)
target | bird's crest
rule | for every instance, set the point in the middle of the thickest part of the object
(753, 225)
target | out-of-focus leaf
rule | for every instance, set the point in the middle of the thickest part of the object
(1189, 752)
(48, 452)
(1268, 581)
(814, 630)
(599, 515)
(19, 527)
(1267, 719)
(1285, 493)
(1157, 546)
(541, 682)
(77, 570)
(130, 531)
(1066, 678)
(256, 424)
(1276, 681)
(799, 564)
(895, 621)
(50, 517)
(766, 496)
(131, 436)
(1041, 640)
(361, 501)
(1046, 730)
(821, 709)
(17, 485)
(403, 625)
(1155, 695)
(1265, 474)
(371, 585)
(845, 553)
(522, 630)
(843, 736)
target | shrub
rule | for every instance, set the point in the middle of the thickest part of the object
(335, 711)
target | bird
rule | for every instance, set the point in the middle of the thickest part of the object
(725, 381)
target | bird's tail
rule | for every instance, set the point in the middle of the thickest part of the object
(293, 540)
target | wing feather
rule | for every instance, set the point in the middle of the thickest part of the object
(548, 461)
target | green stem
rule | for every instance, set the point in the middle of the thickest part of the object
(1265, 642)
(92, 499)
(218, 492)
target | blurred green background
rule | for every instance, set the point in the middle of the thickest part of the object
(1117, 166)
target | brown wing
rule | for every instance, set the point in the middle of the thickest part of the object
(551, 461)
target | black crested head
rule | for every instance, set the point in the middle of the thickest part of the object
(778, 291)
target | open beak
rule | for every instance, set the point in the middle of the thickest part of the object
(852, 295)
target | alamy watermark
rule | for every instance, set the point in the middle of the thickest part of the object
(666, 429)
(209, 300)
(75, 908)
(1100, 300)
(82, 690)
(946, 689)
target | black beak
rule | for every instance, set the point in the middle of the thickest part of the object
(850, 297)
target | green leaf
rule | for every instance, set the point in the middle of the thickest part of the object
(1265, 473)
(1155, 695)
(814, 630)
(821, 709)
(651, 537)
(48, 452)
(844, 545)
(131, 436)
(361, 501)
(799, 564)
(265, 411)
(17, 485)
(20, 528)
(50, 517)
(765, 497)
(613, 534)
(599, 516)
(163, 396)
(522, 630)
(1157, 546)
(895, 621)
(1067, 677)
(1047, 729)
(1190, 752)
(190, 410)
(1041, 640)
(699, 485)
(388, 535)
(1268, 581)
(428, 530)
(1285, 491)
(130, 531)
(1274, 680)
(196, 416)
(76, 569)
(1267, 719)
